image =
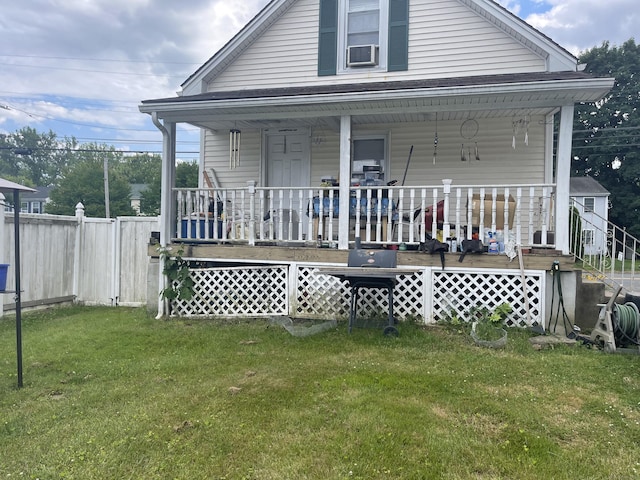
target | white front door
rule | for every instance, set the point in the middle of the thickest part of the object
(288, 165)
(288, 159)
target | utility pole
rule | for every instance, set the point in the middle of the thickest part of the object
(106, 187)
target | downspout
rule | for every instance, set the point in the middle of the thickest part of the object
(165, 204)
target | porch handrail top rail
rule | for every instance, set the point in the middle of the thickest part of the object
(371, 187)
(503, 186)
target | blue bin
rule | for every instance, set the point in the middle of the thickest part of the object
(3, 276)
(193, 232)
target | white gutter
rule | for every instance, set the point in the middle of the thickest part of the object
(166, 144)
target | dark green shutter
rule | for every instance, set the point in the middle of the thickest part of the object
(328, 38)
(398, 36)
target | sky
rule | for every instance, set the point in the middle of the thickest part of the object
(80, 68)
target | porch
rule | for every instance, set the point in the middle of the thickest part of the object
(389, 216)
(255, 250)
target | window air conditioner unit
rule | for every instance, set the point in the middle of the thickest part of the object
(362, 55)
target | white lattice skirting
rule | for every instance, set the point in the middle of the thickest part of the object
(425, 296)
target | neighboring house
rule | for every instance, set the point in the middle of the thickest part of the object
(315, 105)
(592, 202)
(33, 202)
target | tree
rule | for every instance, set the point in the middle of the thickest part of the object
(140, 167)
(35, 159)
(186, 177)
(607, 133)
(84, 182)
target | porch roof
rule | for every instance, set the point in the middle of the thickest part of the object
(488, 96)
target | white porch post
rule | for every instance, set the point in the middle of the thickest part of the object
(563, 174)
(345, 181)
(167, 208)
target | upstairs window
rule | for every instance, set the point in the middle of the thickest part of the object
(362, 40)
(589, 204)
(363, 22)
(363, 34)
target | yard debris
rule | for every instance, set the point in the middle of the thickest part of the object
(549, 341)
(234, 390)
(250, 373)
(248, 342)
(304, 328)
(183, 426)
(56, 395)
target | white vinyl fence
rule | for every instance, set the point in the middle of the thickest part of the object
(95, 261)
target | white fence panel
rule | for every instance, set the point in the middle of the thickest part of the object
(96, 261)
(95, 273)
(134, 260)
(47, 245)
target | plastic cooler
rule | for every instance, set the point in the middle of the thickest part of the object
(4, 267)
(191, 230)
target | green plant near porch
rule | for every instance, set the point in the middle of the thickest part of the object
(487, 324)
(180, 285)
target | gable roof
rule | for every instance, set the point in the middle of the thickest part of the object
(558, 58)
(40, 193)
(586, 187)
(234, 47)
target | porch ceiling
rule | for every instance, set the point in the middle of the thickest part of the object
(386, 102)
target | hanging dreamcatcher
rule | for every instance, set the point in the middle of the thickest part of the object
(468, 131)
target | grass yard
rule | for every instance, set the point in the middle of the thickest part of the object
(111, 393)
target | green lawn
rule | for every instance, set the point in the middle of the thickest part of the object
(111, 393)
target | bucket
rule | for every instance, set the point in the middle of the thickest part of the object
(3, 276)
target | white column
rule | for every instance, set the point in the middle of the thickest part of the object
(345, 181)
(563, 174)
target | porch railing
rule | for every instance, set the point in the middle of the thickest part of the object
(378, 215)
(607, 252)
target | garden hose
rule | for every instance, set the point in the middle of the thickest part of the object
(626, 323)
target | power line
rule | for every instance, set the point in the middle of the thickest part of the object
(113, 60)
(90, 150)
(137, 74)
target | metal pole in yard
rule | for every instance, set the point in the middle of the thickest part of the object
(106, 187)
(16, 224)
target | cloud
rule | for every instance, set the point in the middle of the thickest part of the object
(579, 25)
(74, 54)
(93, 61)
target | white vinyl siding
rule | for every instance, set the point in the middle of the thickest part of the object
(446, 39)
(217, 148)
(494, 146)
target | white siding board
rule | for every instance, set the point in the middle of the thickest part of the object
(217, 148)
(445, 39)
(494, 141)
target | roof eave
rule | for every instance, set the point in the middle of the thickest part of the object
(560, 92)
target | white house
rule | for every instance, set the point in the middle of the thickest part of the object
(315, 105)
(592, 202)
